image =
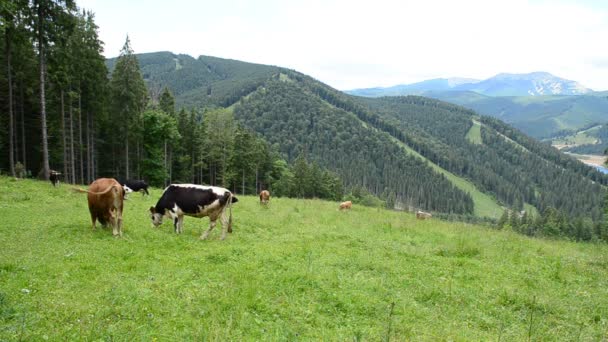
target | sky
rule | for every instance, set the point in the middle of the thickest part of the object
(352, 44)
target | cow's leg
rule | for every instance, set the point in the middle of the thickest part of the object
(93, 220)
(179, 224)
(176, 224)
(211, 226)
(114, 222)
(119, 223)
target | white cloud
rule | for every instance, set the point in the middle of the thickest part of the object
(352, 44)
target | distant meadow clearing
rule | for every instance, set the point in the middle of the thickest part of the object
(297, 270)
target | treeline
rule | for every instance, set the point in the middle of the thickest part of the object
(286, 114)
(555, 224)
(53, 78)
(66, 112)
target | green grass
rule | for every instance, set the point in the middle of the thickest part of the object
(485, 205)
(474, 133)
(299, 270)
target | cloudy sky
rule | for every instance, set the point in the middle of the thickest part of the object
(359, 44)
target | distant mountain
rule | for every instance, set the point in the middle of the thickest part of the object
(536, 83)
(532, 84)
(414, 88)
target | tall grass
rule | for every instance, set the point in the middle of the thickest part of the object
(299, 269)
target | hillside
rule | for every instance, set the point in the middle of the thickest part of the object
(298, 270)
(538, 116)
(539, 104)
(368, 142)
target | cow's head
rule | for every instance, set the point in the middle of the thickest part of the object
(157, 218)
(127, 191)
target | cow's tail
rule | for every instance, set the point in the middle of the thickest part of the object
(230, 213)
(92, 192)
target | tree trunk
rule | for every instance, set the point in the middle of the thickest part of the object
(257, 190)
(243, 182)
(72, 163)
(170, 166)
(11, 134)
(88, 135)
(23, 144)
(64, 139)
(127, 155)
(93, 161)
(80, 161)
(45, 142)
(165, 163)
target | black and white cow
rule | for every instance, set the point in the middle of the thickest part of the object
(54, 177)
(197, 201)
(135, 185)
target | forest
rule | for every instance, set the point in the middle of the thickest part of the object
(71, 115)
(173, 118)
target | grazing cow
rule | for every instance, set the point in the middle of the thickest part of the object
(197, 201)
(136, 186)
(346, 205)
(54, 177)
(105, 197)
(421, 215)
(264, 197)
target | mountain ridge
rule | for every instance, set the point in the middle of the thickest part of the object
(352, 136)
(502, 84)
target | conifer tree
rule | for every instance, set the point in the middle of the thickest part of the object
(128, 96)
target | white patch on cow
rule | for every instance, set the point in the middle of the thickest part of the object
(175, 212)
(216, 189)
(206, 210)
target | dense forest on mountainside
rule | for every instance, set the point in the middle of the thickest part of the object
(202, 82)
(286, 115)
(515, 168)
(91, 123)
(541, 117)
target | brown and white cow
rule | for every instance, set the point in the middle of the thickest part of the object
(264, 197)
(197, 201)
(105, 196)
(346, 205)
(421, 215)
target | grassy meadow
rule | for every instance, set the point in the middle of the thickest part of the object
(298, 270)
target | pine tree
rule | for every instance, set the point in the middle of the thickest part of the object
(128, 96)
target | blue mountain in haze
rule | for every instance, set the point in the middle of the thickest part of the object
(532, 84)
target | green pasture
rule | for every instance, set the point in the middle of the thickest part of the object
(297, 270)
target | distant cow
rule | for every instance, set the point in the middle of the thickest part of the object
(54, 177)
(198, 201)
(105, 197)
(421, 215)
(346, 205)
(264, 197)
(136, 185)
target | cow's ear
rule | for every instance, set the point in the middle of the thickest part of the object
(153, 210)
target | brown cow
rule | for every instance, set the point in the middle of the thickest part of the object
(421, 215)
(346, 205)
(105, 197)
(264, 197)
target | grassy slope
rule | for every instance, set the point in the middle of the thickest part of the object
(474, 134)
(485, 205)
(298, 269)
